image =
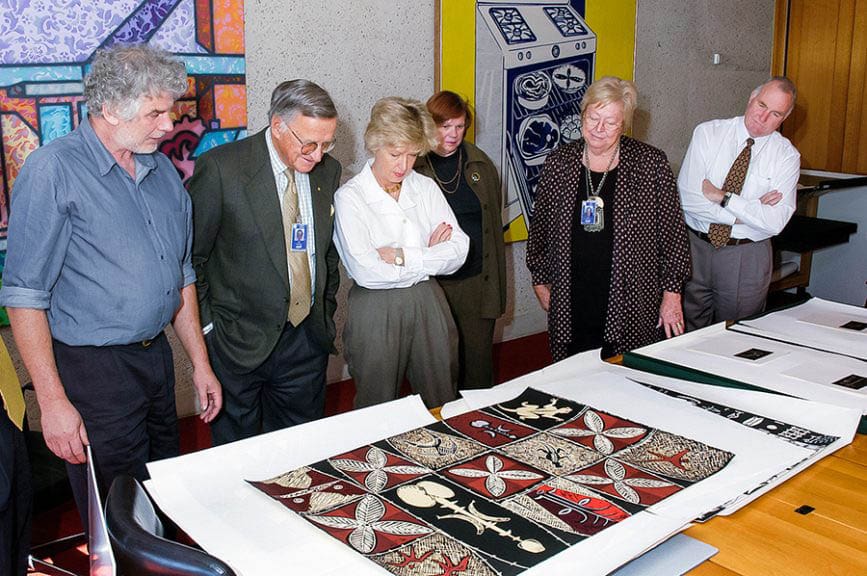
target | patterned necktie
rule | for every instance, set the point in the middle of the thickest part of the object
(299, 266)
(719, 234)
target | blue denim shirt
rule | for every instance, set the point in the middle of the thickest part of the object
(105, 255)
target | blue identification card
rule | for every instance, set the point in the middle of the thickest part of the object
(299, 238)
(588, 212)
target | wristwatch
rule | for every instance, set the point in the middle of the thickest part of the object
(398, 257)
(725, 199)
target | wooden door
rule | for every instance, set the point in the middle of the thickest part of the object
(822, 46)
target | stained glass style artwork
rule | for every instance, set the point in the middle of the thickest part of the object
(45, 49)
(494, 491)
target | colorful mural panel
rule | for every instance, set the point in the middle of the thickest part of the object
(45, 48)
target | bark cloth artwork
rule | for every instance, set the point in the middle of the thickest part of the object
(493, 491)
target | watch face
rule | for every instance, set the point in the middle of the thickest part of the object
(398, 260)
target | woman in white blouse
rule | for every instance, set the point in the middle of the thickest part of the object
(394, 232)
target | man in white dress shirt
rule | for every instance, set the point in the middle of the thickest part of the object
(731, 219)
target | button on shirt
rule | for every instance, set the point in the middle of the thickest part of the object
(104, 254)
(774, 165)
(367, 218)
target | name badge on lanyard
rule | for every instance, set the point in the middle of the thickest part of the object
(299, 238)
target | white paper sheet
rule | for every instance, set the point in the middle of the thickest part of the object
(818, 417)
(774, 372)
(206, 492)
(677, 555)
(817, 324)
(207, 495)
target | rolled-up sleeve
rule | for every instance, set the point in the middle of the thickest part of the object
(38, 236)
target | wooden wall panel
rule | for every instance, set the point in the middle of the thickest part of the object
(855, 134)
(826, 57)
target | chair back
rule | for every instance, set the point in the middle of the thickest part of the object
(136, 535)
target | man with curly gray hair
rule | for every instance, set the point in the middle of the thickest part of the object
(98, 264)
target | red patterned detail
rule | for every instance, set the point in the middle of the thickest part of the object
(488, 429)
(495, 476)
(625, 482)
(602, 432)
(450, 568)
(408, 560)
(204, 25)
(371, 525)
(584, 513)
(376, 469)
(308, 490)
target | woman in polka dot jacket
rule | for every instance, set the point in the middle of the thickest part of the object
(607, 250)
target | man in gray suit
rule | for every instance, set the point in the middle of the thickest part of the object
(266, 266)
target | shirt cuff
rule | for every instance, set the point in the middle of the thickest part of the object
(16, 297)
(413, 259)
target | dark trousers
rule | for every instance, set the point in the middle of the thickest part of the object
(476, 334)
(126, 398)
(16, 499)
(285, 390)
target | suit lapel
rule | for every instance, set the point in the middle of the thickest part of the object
(261, 190)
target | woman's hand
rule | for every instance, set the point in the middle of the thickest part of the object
(543, 293)
(671, 314)
(441, 233)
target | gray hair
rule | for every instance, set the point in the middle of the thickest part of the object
(398, 121)
(300, 97)
(121, 76)
(785, 85)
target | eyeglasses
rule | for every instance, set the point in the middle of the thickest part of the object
(308, 148)
(602, 124)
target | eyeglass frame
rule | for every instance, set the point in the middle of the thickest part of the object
(601, 122)
(306, 149)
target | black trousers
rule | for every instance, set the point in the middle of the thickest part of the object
(288, 388)
(126, 398)
(16, 499)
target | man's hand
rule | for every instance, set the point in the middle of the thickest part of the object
(671, 314)
(441, 233)
(210, 393)
(63, 430)
(543, 293)
(711, 192)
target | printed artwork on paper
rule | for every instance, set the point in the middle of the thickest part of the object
(493, 491)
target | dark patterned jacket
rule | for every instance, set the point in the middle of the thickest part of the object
(650, 252)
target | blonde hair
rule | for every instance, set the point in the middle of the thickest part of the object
(609, 90)
(396, 121)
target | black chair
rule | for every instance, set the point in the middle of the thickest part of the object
(136, 535)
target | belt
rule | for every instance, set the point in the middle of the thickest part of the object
(731, 242)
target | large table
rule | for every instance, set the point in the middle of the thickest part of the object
(770, 537)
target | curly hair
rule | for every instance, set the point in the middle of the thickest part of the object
(120, 76)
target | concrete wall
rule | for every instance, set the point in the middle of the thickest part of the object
(678, 84)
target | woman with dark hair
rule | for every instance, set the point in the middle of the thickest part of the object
(469, 182)
(607, 248)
